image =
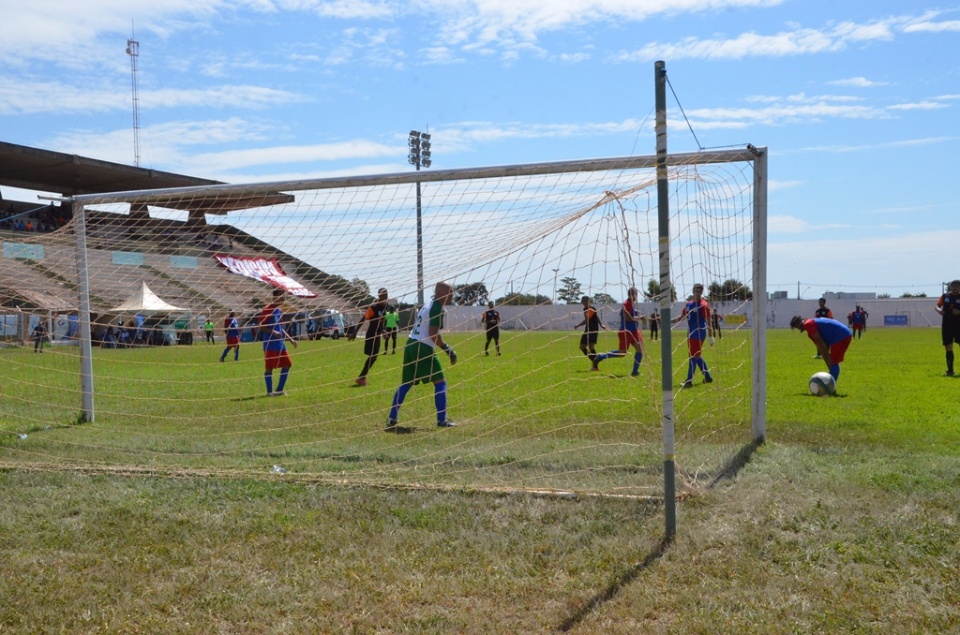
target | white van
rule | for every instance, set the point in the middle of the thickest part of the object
(327, 323)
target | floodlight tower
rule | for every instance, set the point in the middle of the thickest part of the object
(133, 50)
(419, 156)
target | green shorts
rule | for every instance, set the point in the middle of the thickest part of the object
(420, 364)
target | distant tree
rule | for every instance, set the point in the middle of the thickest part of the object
(912, 295)
(604, 298)
(569, 291)
(470, 294)
(883, 295)
(730, 290)
(525, 299)
(360, 286)
(653, 291)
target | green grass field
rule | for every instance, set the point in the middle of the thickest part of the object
(163, 516)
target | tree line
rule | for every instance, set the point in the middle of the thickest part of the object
(570, 291)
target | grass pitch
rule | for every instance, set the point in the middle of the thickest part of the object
(844, 521)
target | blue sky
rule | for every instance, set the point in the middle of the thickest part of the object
(856, 101)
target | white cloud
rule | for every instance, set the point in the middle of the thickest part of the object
(950, 26)
(786, 225)
(920, 105)
(897, 260)
(856, 82)
(798, 41)
(19, 97)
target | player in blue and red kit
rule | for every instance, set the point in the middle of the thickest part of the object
(858, 321)
(629, 334)
(273, 336)
(700, 327)
(232, 329)
(831, 337)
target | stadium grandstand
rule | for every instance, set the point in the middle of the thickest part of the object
(181, 260)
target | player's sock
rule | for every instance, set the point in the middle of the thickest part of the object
(835, 372)
(225, 351)
(949, 361)
(268, 377)
(691, 366)
(398, 398)
(440, 398)
(637, 358)
(599, 358)
(236, 354)
(283, 379)
(367, 365)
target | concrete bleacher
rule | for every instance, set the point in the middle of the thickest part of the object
(174, 259)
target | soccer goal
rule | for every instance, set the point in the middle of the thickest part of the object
(144, 272)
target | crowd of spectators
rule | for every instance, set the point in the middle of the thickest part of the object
(44, 219)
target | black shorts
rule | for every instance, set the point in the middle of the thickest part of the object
(588, 338)
(371, 345)
(493, 333)
(950, 334)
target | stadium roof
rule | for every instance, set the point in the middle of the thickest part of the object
(70, 174)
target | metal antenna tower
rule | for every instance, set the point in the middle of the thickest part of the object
(133, 50)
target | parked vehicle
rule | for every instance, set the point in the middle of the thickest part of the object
(327, 323)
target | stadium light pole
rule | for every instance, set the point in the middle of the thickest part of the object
(419, 156)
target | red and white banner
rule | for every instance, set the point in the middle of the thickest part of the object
(264, 269)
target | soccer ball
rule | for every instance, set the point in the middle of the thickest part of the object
(822, 385)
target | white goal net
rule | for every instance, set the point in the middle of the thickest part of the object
(160, 274)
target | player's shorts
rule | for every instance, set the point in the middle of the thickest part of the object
(695, 346)
(629, 338)
(858, 327)
(839, 349)
(233, 340)
(276, 359)
(420, 364)
(371, 346)
(493, 333)
(588, 338)
(950, 334)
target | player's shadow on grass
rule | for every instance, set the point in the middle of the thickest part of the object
(728, 471)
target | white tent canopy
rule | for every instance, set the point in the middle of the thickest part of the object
(145, 301)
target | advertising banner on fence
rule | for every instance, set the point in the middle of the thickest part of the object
(264, 269)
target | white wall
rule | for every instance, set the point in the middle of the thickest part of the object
(919, 312)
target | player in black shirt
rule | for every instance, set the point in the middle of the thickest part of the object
(949, 307)
(491, 319)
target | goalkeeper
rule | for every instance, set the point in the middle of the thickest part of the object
(420, 363)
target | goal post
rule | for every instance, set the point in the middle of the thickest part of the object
(535, 419)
